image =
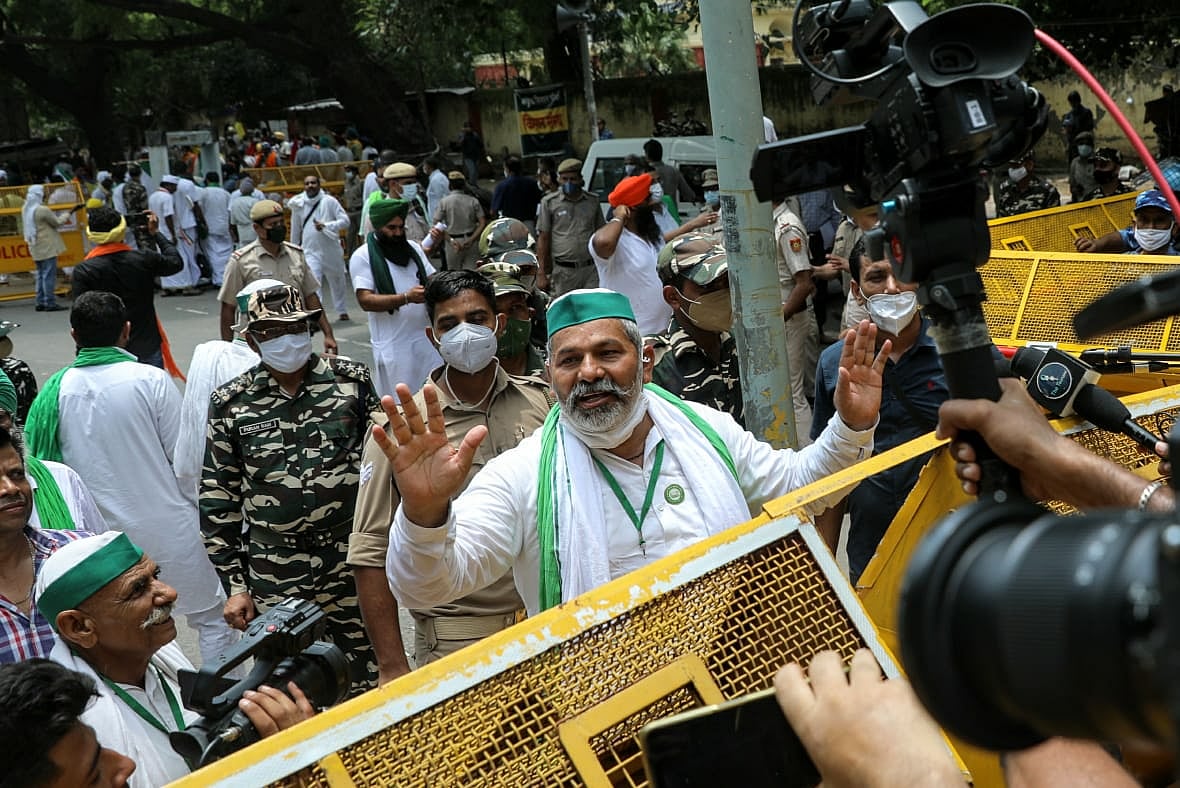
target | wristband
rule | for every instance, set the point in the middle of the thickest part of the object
(1148, 492)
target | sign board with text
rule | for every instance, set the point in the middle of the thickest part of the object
(544, 119)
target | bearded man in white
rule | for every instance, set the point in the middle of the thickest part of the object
(591, 474)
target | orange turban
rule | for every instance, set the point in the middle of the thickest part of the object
(631, 191)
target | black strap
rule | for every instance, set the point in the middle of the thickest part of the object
(920, 421)
(310, 214)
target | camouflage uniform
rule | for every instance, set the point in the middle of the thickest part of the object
(135, 199)
(288, 468)
(686, 370)
(1097, 194)
(1040, 195)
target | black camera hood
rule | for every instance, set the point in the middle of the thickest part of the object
(969, 42)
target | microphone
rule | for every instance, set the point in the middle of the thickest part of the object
(1065, 386)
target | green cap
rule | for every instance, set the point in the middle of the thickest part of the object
(79, 569)
(696, 257)
(582, 306)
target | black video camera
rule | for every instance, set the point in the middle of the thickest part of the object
(138, 219)
(1017, 624)
(286, 645)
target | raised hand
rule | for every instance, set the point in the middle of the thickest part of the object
(427, 469)
(862, 368)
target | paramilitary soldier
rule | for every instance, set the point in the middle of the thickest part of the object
(282, 458)
(696, 358)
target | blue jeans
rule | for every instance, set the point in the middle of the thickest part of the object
(46, 281)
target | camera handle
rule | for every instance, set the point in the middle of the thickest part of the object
(936, 230)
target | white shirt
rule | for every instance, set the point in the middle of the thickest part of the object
(79, 501)
(119, 728)
(492, 526)
(664, 220)
(401, 351)
(436, 188)
(215, 206)
(631, 270)
(182, 203)
(370, 183)
(118, 428)
(319, 246)
(239, 214)
(160, 203)
(117, 199)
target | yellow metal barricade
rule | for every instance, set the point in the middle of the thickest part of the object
(14, 252)
(289, 180)
(1054, 229)
(559, 698)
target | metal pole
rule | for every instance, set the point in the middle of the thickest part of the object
(588, 79)
(731, 68)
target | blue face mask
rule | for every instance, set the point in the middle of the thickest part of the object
(713, 197)
(570, 187)
(409, 191)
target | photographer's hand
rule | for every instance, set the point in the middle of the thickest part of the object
(860, 730)
(271, 710)
(1052, 467)
(153, 223)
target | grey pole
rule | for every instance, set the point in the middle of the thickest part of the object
(735, 102)
(588, 79)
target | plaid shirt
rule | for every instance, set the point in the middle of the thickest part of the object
(24, 637)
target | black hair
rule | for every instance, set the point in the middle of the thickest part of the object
(103, 219)
(653, 150)
(514, 165)
(445, 285)
(97, 318)
(40, 702)
(212, 177)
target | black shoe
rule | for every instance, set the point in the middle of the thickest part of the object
(54, 308)
(344, 318)
(40, 308)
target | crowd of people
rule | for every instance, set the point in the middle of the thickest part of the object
(554, 401)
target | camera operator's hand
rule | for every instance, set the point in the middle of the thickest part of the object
(153, 223)
(239, 611)
(1052, 467)
(1065, 763)
(271, 710)
(860, 730)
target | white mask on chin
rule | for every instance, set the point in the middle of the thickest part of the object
(610, 425)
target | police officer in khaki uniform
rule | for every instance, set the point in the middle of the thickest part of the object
(794, 278)
(465, 220)
(464, 325)
(280, 476)
(270, 257)
(401, 181)
(567, 219)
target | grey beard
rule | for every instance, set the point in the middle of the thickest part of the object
(158, 615)
(604, 417)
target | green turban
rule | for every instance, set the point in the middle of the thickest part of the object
(7, 394)
(582, 306)
(381, 212)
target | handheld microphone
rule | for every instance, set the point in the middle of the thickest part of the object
(1065, 386)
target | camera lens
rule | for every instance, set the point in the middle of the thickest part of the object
(1016, 625)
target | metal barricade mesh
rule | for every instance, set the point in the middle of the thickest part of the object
(1055, 229)
(744, 619)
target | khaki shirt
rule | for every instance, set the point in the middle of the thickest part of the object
(791, 252)
(461, 212)
(570, 223)
(252, 262)
(518, 407)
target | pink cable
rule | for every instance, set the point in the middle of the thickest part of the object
(1096, 87)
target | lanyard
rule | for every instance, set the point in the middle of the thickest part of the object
(146, 715)
(636, 520)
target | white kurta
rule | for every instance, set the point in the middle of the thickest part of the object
(322, 248)
(239, 214)
(118, 428)
(492, 527)
(214, 364)
(401, 351)
(79, 501)
(120, 729)
(218, 245)
(631, 270)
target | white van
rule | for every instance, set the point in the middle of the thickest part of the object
(603, 168)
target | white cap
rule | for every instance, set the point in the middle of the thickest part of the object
(98, 559)
(170, 179)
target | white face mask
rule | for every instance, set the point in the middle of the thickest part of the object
(656, 191)
(467, 347)
(606, 428)
(892, 312)
(1017, 174)
(1150, 240)
(287, 353)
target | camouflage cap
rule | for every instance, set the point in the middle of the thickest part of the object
(282, 304)
(709, 178)
(695, 256)
(504, 282)
(1108, 154)
(498, 268)
(519, 258)
(505, 235)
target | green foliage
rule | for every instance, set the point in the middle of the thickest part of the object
(644, 39)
